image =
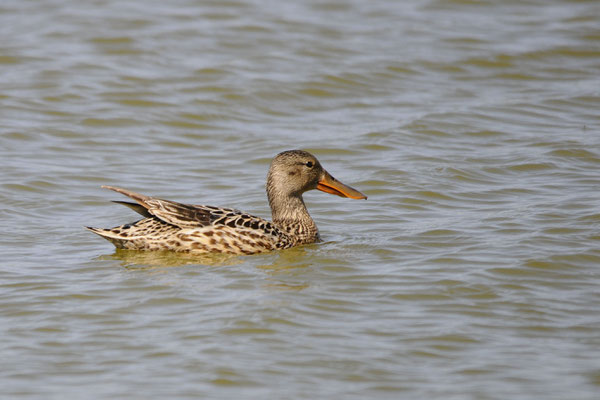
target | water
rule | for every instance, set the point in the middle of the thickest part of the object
(470, 273)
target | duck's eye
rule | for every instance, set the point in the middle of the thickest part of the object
(309, 164)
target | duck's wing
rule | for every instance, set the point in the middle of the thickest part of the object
(171, 212)
(135, 207)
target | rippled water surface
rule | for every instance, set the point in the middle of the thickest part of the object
(471, 272)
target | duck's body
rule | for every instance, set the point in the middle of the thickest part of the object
(201, 229)
(205, 229)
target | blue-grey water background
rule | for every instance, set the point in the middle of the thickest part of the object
(471, 272)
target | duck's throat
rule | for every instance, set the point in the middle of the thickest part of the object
(290, 215)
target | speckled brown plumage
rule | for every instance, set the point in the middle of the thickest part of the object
(168, 225)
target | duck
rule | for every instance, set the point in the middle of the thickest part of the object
(203, 229)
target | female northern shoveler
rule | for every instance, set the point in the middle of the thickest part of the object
(204, 229)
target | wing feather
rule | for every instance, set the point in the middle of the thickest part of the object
(192, 216)
(171, 212)
(182, 215)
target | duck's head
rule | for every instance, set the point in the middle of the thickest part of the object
(294, 172)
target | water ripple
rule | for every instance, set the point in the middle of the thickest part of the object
(471, 126)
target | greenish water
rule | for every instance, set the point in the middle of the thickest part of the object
(470, 273)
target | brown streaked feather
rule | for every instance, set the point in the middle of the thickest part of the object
(140, 198)
(137, 235)
(135, 207)
(171, 212)
(182, 215)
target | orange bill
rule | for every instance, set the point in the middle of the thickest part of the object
(329, 184)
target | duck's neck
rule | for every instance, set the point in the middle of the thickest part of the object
(291, 209)
(289, 214)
